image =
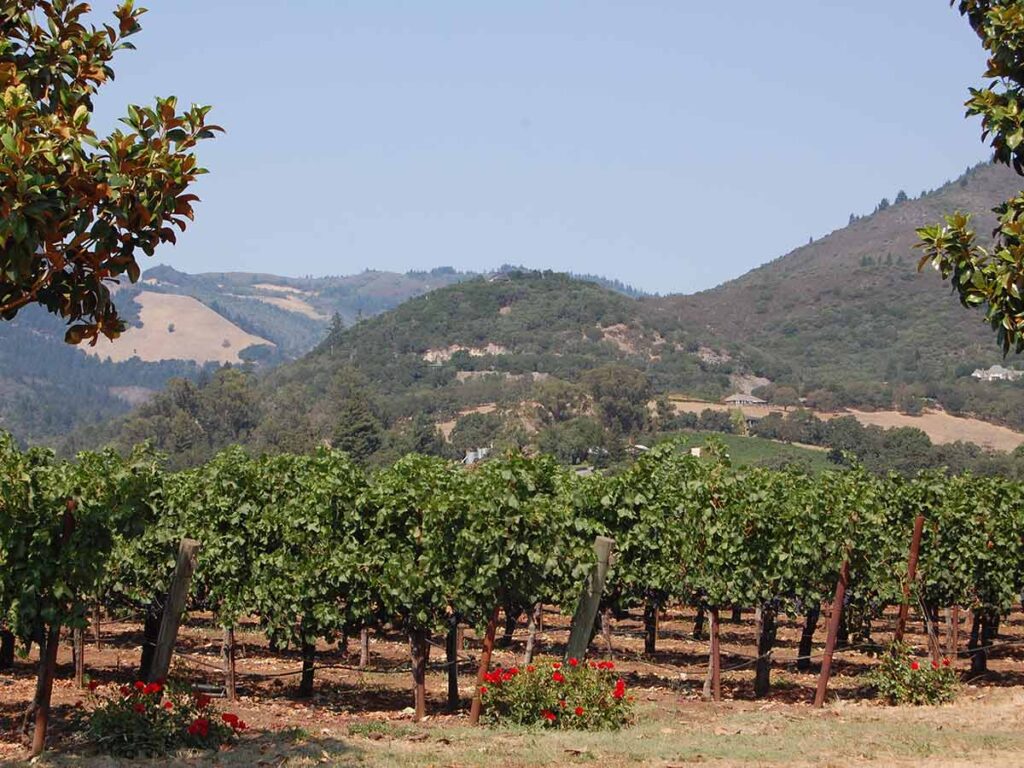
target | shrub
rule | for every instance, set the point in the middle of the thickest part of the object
(586, 696)
(902, 678)
(147, 719)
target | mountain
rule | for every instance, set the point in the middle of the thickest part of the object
(468, 346)
(180, 325)
(850, 320)
(845, 321)
(185, 326)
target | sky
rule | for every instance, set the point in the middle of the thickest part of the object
(668, 143)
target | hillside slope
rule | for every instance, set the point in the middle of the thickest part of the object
(851, 314)
(179, 326)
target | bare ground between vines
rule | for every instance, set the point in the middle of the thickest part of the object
(359, 718)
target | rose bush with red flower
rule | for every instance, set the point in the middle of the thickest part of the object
(902, 679)
(151, 719)
(572, 697)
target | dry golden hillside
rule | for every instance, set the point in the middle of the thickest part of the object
(198, 333)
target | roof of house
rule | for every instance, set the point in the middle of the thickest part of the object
(742, 399)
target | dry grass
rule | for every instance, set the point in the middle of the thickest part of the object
(199, 333)
(940, 427)
(943, 428)
(980, 731)
(292, 303)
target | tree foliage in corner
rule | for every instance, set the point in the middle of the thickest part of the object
(74, 207)
(993, 277)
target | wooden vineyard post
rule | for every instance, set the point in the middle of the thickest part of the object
(228, 652)
(930, 622)
(531, 639)
(716, 657)
(48, 658)
(650, 626)
(364, 647)
(419, 651)
(803, 658)
(308, 667)
(97, 615)
(833, 633)
(173, 608)
(590, 599)
(606, 631)
(485, 666)
(451, 648)
(78, 646)
(6, 649)
(953, 633)
(915, 551)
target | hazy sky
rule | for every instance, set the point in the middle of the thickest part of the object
(670, 144)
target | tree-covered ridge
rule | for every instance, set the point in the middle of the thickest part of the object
(844, 321)
(294, 313)
(849, 314)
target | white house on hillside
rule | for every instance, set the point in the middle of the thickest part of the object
(742, 399)
(996, 373)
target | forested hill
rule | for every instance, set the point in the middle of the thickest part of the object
(849, 319)
(185, 325)
(498, 342)
(846, 321)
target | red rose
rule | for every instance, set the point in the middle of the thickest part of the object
(558, 677)
(915, 666)
(945, 662)
(240, 725)
(548, 715)
(152, 688)
(562, 703)
(168, 705)
(94, 684)
(556, 665)
(935, 664)
(139, 707)
(579, 711)
(202, 700)
(139, 685)
(200, 727)
(229, 718)
(125, 690)
(531, 668)
(483, 689)
(573, 662)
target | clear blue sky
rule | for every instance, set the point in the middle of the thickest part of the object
(670, 144)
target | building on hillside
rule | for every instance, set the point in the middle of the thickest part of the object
(742, 399)
(996, 373)
(472, 457)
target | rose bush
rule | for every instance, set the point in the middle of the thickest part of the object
(577, 695)
(903, 679)
(149, 719)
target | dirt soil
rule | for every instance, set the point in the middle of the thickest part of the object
(361, 717)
